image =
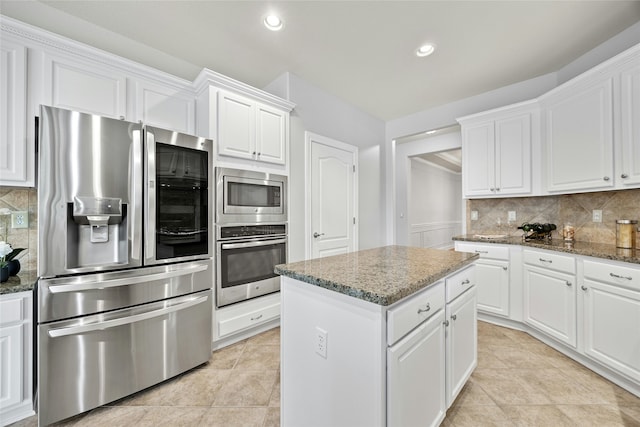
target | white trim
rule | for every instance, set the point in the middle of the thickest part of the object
(309, 138)
(433, 165)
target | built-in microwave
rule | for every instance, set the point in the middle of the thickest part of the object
(250, 197)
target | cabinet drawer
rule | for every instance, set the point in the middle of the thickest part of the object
(485, 251)
(614, 274)
(460, 282)
(408, 314)
(246, 320)
(11, 310)
(563, 263)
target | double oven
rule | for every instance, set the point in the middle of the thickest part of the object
(251, 233)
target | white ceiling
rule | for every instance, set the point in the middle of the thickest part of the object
(360, 51)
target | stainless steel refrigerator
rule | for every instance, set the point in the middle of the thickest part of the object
(125, 245)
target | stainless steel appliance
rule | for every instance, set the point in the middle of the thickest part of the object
(245, 259)
(124, 299)
(250, 197)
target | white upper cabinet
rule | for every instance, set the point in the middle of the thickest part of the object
(16, 155)
(164, 105)
(85, 86)
(591, 130)
(497, 151)
(578, 133)
(629, 154)
(251, 130)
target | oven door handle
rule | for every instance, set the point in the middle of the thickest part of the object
(253, 244)
(74, 330)
(103, 284)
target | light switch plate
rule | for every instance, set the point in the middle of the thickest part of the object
(511, 216)
(474, 215)
(597, 215)
(20, 219)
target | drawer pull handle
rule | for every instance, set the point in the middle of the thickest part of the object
(545, 260)
(568, 283)
(445, 323)
(257, 317)
(481, 252)
(583, 287)
(427, 308)
(454, 317)
(620, 277)
(465, 282)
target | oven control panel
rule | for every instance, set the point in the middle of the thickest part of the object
(230, 232)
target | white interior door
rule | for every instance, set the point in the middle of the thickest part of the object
(332, 195)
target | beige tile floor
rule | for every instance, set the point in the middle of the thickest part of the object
(519, 382)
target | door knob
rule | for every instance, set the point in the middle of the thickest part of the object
(316, 234)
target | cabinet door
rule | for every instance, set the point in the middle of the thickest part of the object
(236, 126)
(164, 106)
(611, 327)
(84, 86)
(15, 152)
(513, 155)
(629, 169)
(550, 303)
(579, 139)
(479, 160)
(271, 134)
(416, 376)
(10, 365)
(461, 342)
(492, 278)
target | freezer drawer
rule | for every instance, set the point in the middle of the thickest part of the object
(72, 296)
(87, 362)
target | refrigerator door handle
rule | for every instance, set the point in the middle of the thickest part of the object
(150, 220)
(136, 201)
(74, 330)
(103, 284)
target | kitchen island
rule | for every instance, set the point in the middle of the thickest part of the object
(385, 336)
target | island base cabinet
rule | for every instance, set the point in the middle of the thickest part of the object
(416, 376)
(612, 327)
(461, 342)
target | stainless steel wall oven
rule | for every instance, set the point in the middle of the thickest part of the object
(246, 256)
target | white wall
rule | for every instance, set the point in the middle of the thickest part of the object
(324, 114)
(435, 205)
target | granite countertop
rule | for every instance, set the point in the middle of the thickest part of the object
(597, 250)
(381, 275)
(25, 281)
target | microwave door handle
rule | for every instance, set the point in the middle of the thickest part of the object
(74, 330)
(252, 244)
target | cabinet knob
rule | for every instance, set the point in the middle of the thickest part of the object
(624, 176)
(427, 308)
(454, 317)
(259, 153)
(465, 282)
(254, 153)
(445, 323)
(606, 178)
(498, 189)
(568, 283)
(492, 189)
(583, 287)
(316, 234)
(505, 268)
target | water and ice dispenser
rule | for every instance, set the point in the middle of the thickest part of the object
(96, 232)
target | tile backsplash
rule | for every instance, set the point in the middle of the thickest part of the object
(20, 199)
(574, 208)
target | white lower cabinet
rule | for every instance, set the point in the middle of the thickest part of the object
(611, 306)
(416, 376)
(15, 357)
(244, 316)
(550, 303)
(461, 342)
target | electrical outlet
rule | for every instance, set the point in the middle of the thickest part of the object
(474, 215)
(20, 219)
(321, 342)
(511, 216)
(597, 215)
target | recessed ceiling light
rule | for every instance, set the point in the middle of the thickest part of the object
(425, 50)
(273, 22)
